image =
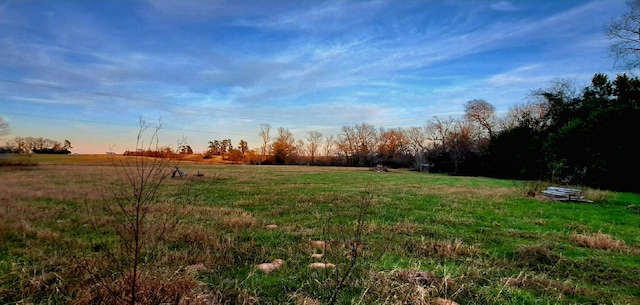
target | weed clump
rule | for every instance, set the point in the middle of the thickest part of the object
(538, 257)
(598, 241)
(445, 249)
(406, 286)
(543, 285)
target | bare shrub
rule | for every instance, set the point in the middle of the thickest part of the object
(342, 243)
(140, 214)
(598, 241)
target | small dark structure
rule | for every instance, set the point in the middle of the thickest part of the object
(178, 172)
(425, 167)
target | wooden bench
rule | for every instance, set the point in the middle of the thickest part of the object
(564, 194)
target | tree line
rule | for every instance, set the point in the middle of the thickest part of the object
(562, 134)
(36, 145)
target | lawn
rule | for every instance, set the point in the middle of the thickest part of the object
(397, 237)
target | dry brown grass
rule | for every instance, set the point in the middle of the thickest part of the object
(302, 299)
(452, 248)
(596, 195)
(227, 217)
(411, 287)
(405, 227)
(598, 241)
(239, 220)
(159, 287)
(493, 192)
(540, 284)
(56, 182)
(537, 256)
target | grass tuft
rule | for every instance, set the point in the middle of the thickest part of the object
(598, 241)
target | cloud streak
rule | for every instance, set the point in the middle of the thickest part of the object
(231, 65)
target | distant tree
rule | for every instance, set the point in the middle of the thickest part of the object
(264, 134)
(283, 146)
(67, 145)
(186, 149)
(4, 128)
(437, 131)
(224, 146)
(214, 147)
(392, 147)
(329, 143)
(37, 145)
(235, 155)
(243, 146)
(346, 144)
(417, 144)
(358, 144)
(529, 115)
(625, 32)
(301, 153)
(482, 113)
(313, 142)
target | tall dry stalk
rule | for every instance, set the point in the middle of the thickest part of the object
(348, 254)
(140, 215)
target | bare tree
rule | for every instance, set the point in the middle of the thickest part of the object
(481, 113)
(625, 32)
(329, 142)
(438, 132)
(527, 115)
(313, 142)
(264, 134)
(417, 144)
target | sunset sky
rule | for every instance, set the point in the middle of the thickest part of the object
(87, 70)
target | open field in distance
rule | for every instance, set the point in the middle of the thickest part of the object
(422, 238)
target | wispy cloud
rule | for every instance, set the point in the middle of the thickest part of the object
(230, 65)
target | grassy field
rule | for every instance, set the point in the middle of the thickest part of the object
(396, 237)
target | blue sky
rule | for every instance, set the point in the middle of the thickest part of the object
(87, 70)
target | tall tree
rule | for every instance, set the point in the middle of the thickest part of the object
(264, 134)
(214, 147)
(392, 147)
(482, 113)
(313, 143)
(417, 143)
(625, 32)
(283, 146)
(329, 142)
(243, 147)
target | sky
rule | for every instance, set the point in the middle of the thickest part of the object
(87, 71)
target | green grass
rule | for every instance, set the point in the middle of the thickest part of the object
(483, 240)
